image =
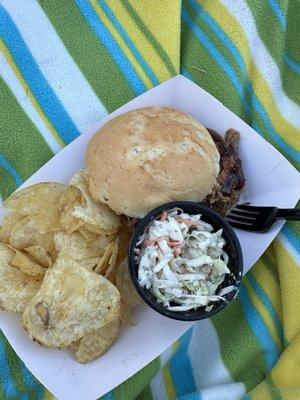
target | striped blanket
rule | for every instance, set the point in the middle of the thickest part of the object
(66, 64)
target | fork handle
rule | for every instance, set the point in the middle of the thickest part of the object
(288, 213)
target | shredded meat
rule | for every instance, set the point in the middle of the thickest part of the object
(231, 179)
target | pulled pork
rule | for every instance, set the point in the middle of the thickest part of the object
(231, 179)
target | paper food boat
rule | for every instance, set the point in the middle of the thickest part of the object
(271, 180)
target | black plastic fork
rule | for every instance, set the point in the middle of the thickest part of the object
(259, 219)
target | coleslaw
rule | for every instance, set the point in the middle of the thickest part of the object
(182, 261)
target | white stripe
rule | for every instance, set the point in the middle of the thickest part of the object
(55, 63)
(289, 248)
(166, 356)
(231, 391)
(158, 388)
(263, 60)
(20, 94)
(205, 355)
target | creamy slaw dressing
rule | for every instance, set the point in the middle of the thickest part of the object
(182, 261)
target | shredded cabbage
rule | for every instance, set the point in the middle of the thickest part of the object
(182, 261)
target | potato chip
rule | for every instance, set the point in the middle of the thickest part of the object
(99, 218)
(74, 245)
(88, 235)
(16, 288)
(94, 344)
(68, 222)
(26, 263)
(125, 233)
(43, 202)
(41, 255)
(25, 234)
(109, 258)
(71, 303)
(7, 226)
(126, 315)
(124, 284)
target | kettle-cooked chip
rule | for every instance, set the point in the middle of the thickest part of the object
(43, 202)
(25, 234)
(99, 218)
(94, 344)
(7, 226)
(88, 235)
(17, 288)
(108, 261)
(71, 303)
(26, 263)
(74, 245)
(41, 255)
(124, 284)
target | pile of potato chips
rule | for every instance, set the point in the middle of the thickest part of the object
(63, 266)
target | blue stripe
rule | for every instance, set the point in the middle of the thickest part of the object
(181, 367)
(192, 396)
(292, 237)
(10, 170)
(293, 65)
(116, 52)
(129, 42)
(6, 375)
(32, 383)
(279, 14)
(185, 73)
(259, 329)
(267, 303)
(39, 86)
(207, 19)
(108, 396)
(230, 72)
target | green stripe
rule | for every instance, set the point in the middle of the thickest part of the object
(89, 53)
(14, 365)
(215, 81)
(274, 391)
(7, 184)
(131, 388)
(272, 268)
(20, 134)
(150, 37)
(293, 31)
(146, 394)
(242, 75)
(278, 43)
(241, 353)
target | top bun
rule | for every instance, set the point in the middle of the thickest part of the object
(148, 157)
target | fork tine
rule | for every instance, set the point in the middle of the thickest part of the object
(250, 209)
(240, 226)
(244, 221)
(242, 214)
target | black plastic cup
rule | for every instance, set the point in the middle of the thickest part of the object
(232, 248)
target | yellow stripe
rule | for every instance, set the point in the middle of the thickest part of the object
(175, 346)
(144, 77)
(142, 44)
(260, 86)
(48, 396)
(260, 392)
(4, 50)
(285, 373)
(262, 310)
(168, 10)
(171, 393)
(269, 285)
(289, 273)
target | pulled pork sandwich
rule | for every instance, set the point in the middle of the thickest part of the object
(155, 155)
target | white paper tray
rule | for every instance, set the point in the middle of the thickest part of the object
(271, 180)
